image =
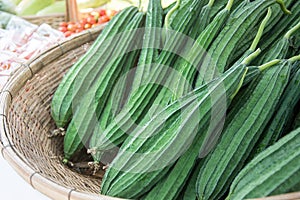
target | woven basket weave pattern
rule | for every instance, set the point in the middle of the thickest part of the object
(53, 20)
(30, 123)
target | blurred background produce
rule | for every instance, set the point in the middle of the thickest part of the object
(8, 6)
(121, 4)
(92, 19)
(44, 7)
(56, 7)
(17, 48)
(20, 41)
(31, 7)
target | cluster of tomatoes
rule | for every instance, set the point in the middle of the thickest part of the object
(93, 19)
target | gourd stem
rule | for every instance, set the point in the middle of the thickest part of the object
(140, 6)
(261, 30)
(229, 5)
(65, 161)
(283, 7)
(211, 3)
(252, 56)
(294, 58)
(240, 84)
(292, 31)
(268, 64)
(168, 16)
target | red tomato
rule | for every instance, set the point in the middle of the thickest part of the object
(113, 13)
(83, 21)
(103, 19)
(91, 20)
(68, 33)
(95, 14)
(71, 27)
(62, 29)
(109, 13)
(87, 26)
(102, 12)
(63, 24)
(79, 26)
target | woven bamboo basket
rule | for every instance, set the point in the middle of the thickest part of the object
(25, 123)
(71, 14)
(53, 20)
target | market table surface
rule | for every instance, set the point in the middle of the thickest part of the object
(13, 187)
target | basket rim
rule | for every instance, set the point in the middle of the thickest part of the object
(44, 16)
(9, 152)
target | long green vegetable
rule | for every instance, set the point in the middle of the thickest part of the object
(165, 140)
(282, 117)
(287, 102)
(241, 132)
(82, 74)
(148, 55)
(116, 100)
(138, 105)
(181, 78)
(170, 187)
(223, 46)
(151, 42)
(203, 19)
(86, 116)
(178, 105)
(274, 171)
(279, 22)
(190, 190)
(187, 70)
(279, 49)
